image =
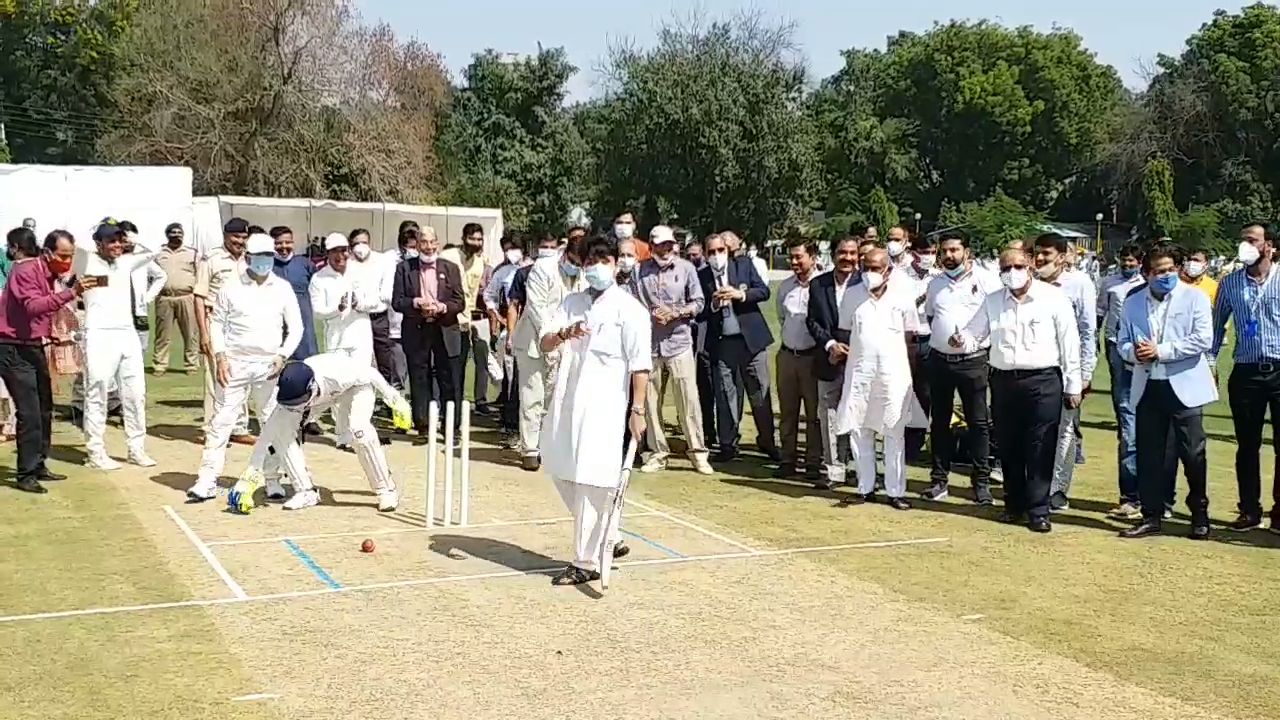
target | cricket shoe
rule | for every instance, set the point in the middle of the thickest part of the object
(203, 490)
(303, 499)
(388, 500)
(275, 491)
(141, 459)
(102, 461)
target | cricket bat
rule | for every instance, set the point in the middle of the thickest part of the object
(615, 515)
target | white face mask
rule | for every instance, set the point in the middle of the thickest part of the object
(410, 254)
(751, 253)
(624, 231)
(719, 261)
(873, 280)
(626, 264)
(896, 248)
(515, 255)
(1047, 271)
(429, 259)
(926, 262)
(1248, 253)
(547, 252)
(361, 251)
(1015, 278)
(1195, 268)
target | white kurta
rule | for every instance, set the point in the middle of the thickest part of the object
(348, 329)
(877, 377)
(581, 439)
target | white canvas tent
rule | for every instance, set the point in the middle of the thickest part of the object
(316, 218)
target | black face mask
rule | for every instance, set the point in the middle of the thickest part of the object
(8, 252)
(471, 249)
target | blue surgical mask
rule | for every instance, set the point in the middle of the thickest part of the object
(1127, 273)
(954, 272)
(1164, 284)
(600, 277)
(568, 268)
(261, 265)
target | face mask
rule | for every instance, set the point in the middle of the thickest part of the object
(470, 249)
(547, 252)
(1015, 278)
(1127, 273)
(1164, 284)
(626, 264)
(58, 266)
(954, 272)
(873, 280)
(599, 276)
(429, 259)
(624, 231)
(896, 248)
(698, 262)
(284, 257)
(260, 265)
(568, 268)
(926, 262)
(410, 254)
(514, 256)
(361, 251)
(751, 253)
(1047, 271)
(718, 262)
(664, 261)
(1248, 253)
(1195, 268)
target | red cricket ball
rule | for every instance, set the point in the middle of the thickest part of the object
(366, 546)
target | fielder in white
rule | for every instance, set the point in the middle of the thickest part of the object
(604, 337)
(348, 387)
(342, 297)
(244, 331)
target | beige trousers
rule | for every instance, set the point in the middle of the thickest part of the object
(179, 310)
(798, 385)
(536, 378)
(681, 373)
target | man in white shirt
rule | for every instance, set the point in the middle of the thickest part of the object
(476, 271)
(920, 269)
(602, 336)
(222, 265)
(952, 301)
(1035, 360)
(797, 383)
(876, 400)
(897, 243)
(827, 293)
(1053, 265)
(244, 332)
(145, 285)
(341, 299)
(1111, 296)
(374, 272)
(112, 352)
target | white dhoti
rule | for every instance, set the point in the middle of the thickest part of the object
(590, 507)
(249, 381)
(114, 357)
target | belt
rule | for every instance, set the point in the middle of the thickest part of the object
(797, 353)
(175, 293)
(1266, 367)
(924, 339)
(1026, 373)
(957, 358)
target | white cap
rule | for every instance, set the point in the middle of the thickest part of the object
(335, 241)
(661, 234)
(259, 244)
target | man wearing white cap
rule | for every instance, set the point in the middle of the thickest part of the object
(342, 302)
(244, 332)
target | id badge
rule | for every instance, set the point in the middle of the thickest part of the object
(1251, 329)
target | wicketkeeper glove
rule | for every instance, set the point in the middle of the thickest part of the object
(240, 499)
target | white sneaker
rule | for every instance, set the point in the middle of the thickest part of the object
(203, 490)
(275, 491)
(141, 459)
(388, 500)
(654, 465)
(102, 462)
(702, 467)
(303, 499)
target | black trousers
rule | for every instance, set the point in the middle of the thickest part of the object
(707, 395)
(430, 367)
(968, 378)
(511, 399)
(25, 372)
(1161, 414)
(1028, 411)
(1252, 390)
(383, 355)
(918, 359)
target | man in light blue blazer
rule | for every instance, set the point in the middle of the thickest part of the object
(1166, 332)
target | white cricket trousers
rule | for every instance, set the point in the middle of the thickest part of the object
(249, 379)
(114, 357)
(895, 471)
(590, 507)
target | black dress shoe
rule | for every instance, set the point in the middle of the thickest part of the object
(725, 456)
(313, 428)
(1141, 530)
(1039, 525)
(621, 550)
(898, 503)
(49, 476)
(31, 485)
(772, 453)
(1199, 531)
(785, 471)
(1008, 517)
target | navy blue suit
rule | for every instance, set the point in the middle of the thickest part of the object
(740, 361)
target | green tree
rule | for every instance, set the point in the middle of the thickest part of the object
(995, 221)
(1200, 228)
(883, 212)
(707, 129)
(1160, 215)
(60, 58)
(510, 143)
(5, 156)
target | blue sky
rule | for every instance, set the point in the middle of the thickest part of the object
(1127, 34)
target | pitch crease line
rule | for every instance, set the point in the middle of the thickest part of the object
(208, 555)
(691, 526)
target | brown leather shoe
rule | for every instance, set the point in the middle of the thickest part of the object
(243, 439)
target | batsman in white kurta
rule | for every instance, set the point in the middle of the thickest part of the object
(588, 409)
(877, 381)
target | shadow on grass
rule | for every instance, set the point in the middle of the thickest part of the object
(459, 547)
(182, 433)
(183, 403)
(67, 454)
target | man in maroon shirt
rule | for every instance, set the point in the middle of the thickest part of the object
(26, 308)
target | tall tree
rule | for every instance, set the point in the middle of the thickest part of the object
(510, 143)
(60, 58)
(1160, 214)
(707, 128)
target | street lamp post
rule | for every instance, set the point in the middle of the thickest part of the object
(918, 216)
(1098, 219)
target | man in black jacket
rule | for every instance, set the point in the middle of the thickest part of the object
(825, 295)
(737, 340)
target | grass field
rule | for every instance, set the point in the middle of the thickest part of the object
(989, 621)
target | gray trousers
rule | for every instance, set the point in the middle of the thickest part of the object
(837, 451)
(1064, 460)
(739, 373)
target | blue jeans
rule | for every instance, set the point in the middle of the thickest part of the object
(1126, 426)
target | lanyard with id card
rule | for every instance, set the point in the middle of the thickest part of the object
(1250, 331)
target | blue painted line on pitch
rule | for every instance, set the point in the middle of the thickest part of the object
(312, 565)
(651, 543)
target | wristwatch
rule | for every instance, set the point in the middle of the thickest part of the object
(637, 410)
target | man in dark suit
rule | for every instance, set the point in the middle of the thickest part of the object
(825, 294)
(428, 292)
(737, 340)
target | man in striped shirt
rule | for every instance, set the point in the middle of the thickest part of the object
(1251, 296)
